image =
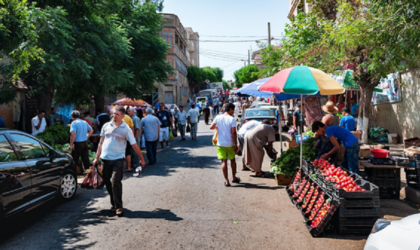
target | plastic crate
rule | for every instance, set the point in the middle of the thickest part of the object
(359, 212)
(307, 167)
(317, 231)
(372, 191)
(360, 203)
(389, 193)
(383, 172)
(355, 222)
(406, 162)
(363, 230)
(386, 182)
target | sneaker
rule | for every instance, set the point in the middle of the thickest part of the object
(139, 169)
(136, 174)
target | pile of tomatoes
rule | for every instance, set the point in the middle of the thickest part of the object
(317, 206)
(321, 214)
(340, 177)
(297, 178)
(301, 186)
(302, 194)
(312, 201)
(309, 196)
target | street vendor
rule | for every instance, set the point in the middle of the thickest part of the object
(330, 119)
(350, 142)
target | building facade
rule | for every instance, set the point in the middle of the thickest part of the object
(183, 52)
(298, 6)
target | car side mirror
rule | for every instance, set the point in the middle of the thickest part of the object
(52, 154)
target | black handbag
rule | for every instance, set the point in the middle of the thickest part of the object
(188, 128)
(174, 132)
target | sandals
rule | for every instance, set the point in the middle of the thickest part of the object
(227, 185)
(120, 211)
(237, 180)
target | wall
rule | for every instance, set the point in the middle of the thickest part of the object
(402, 118)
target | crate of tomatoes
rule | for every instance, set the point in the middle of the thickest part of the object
(321, 214)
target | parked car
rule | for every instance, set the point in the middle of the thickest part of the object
(32, 172)
(254, 104)
(274, 109)
(262, 104)
(393, 235)
(259, 114)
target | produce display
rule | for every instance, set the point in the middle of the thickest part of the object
(318, 205)
(302, 194)
(340, 177)
(297, 179)
(309, 196)
(288, 161)
(321, 214)
(313, 199)
(301, 186)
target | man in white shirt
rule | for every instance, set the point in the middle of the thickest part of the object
(181, 117)
(193, 117)
(168, 106)
(226, 141)
(39, 123)
(241, 138)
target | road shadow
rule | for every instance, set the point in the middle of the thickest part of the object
(158, 213)
(257, 186)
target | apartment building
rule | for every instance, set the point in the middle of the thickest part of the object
(183, 52)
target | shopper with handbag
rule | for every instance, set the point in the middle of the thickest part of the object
(193, 118)
(111, 149)
(181, 117)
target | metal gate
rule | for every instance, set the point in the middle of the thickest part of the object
(169, 97)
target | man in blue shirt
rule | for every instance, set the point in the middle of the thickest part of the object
(347, 121)
(354, 108)
(80, 133)
(350, 141)
(150, 128)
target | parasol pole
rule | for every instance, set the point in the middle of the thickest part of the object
(300, 130)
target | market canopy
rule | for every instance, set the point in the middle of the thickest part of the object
(131, 102)
(302, 80)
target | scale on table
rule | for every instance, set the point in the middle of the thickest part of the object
(380, 161)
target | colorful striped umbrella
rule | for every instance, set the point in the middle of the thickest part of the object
(302, 80)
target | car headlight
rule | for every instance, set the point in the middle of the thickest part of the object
(380, 225)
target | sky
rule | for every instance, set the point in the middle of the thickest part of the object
(227, 18)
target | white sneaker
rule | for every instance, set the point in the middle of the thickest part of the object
(139, 169)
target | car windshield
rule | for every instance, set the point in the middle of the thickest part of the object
(263, 104)
(250, 113)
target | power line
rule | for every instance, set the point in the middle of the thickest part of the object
(221, 52)
(221, 55)
(235, 36)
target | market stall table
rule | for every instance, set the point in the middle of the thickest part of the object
(386, 177)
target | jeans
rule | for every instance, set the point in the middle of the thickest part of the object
(151, 148)
(193, 130)
(81, 149)
(135, 159)
(351, 158)
(181, 130)
(216, 110)
(112, 171)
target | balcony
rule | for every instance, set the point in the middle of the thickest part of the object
(181, 55)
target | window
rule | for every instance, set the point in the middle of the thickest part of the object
(30, 148)
(7, 153)
(258, 113)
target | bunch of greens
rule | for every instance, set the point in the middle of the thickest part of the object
(339, 115)
(309, 132)
(288, 161)
(56, 134)
(309, 152)
(92, 156)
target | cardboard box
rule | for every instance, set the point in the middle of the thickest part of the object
(365, 149)
(357, 134)
(289, 144)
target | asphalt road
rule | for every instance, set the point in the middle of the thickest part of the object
(179, 203)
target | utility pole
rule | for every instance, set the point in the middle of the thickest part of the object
(249, 57)
(244, 63)
(269, 34)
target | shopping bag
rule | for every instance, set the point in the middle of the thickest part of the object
(215, 137)
(88, 181)
(171, 134)
(174, 132)
(98, 181)
(188, 128)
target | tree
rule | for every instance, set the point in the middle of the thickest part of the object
(246, 74)
(219, 74)
(371, 37)
(195, 76)
(226, 85)
(209, 74)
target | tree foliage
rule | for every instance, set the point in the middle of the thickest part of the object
(226, 85)
(374, 38)
(195, 76)
(246, 74)
(90, 48)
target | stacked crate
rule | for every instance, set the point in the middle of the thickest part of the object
(387, 179)
(358, 211)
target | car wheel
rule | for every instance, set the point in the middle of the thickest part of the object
(68, 185)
